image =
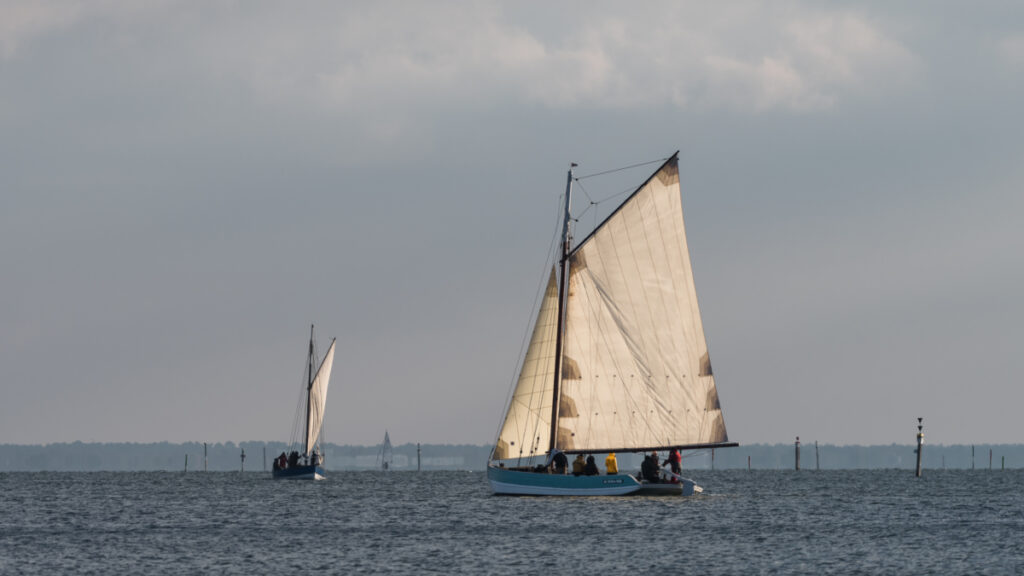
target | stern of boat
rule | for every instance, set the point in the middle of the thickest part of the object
(682, 487)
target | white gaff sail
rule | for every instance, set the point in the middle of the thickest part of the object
(318, 398)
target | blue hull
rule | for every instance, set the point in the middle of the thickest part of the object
(523, 483)
(515, 482)
(300, 473)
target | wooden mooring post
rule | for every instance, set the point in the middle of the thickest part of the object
(920, 445)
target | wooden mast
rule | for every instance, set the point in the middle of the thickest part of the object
(563, 269)
(309, 388)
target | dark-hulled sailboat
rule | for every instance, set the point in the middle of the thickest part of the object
(309, 464)
(617, 361)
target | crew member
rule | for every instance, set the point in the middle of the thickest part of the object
(611, 464)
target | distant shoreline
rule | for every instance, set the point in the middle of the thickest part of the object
(226, 456)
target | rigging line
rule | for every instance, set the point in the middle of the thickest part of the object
(589, 206)
(295, 433)
(692, 453)
(585, 193)
(594, 203)
(616, 195)
(528, 332)
(578, 178)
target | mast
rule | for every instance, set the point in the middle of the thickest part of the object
(563, 265)
(309, 387)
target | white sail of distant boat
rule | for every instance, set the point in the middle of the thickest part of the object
(309, 463)
(617, 361)
(386, 456)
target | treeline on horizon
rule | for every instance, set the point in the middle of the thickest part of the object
(226, 456)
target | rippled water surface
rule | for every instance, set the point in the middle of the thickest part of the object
(807, 522)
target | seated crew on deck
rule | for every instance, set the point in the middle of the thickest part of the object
(559, 463)
(649, 468)
(578, 465)
(591, 467)
(315, 459)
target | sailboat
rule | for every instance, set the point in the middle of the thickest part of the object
(309, 464)
(617, 361)
(385, 457)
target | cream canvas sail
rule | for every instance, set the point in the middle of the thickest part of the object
(318, 398)
(636, 372)
(527, 428)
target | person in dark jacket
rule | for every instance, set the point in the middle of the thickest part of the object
(559, 463)
(649, 467)
(675, 460)
(590, 469)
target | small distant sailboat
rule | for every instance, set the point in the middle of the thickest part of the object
(617, 361)
(385, 457)
(309, 464)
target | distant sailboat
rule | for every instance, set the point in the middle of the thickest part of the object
(385, 457)
(618, 360)
(309, 464)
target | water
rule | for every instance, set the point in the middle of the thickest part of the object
(761, 522)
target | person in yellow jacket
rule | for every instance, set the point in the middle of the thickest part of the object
(611, 464)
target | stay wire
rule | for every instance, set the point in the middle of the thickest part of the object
(526, 334)
(594, 203)
(578, 178)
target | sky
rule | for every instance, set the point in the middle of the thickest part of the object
(186, 186)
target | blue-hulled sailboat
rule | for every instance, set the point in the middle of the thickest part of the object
(617, 361)
(308, 465)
